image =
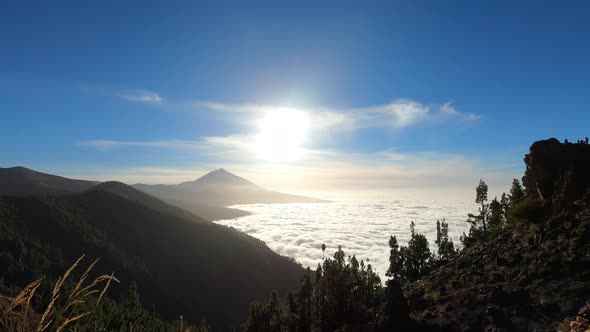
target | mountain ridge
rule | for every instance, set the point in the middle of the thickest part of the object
(23, 181)
(221, 188)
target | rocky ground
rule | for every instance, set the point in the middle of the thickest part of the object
(535, 274)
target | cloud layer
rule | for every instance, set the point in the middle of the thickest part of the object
(362, 226)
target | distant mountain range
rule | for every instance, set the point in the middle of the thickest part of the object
(207, 197)
(182, 263)
(219, 188)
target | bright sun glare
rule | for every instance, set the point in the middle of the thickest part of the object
(281, 135)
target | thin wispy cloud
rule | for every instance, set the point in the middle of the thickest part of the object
(322, 169)
(400, 113)
(132, 95)
(106, 145)
(206, 146)
(449, 110)
(141, 96)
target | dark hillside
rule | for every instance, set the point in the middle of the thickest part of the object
(182, 264)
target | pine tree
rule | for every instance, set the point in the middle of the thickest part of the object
(419, 256)
(516, 193)
(275, 313)
(305, 301)
(505, 203)
(480, 221)
(446, 248)
(481, 197)
(292, 312)
(395, 260)
(495, 214)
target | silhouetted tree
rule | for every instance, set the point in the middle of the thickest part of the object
(291, 312)
(419, 256)
(516, 193)
(276, 314)
(305, 300)
(446, 248)
(481, 197)
(396, 261)
(397, 313)
(265, 317)
(344, 296)
(479, 223)
(505, 203)
(496, 217)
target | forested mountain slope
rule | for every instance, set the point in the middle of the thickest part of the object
(182, 264)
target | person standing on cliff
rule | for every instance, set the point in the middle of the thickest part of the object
(586, 140)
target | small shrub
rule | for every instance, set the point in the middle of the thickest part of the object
(529, 210)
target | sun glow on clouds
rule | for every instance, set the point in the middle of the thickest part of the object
(298, 149)
(281, 134)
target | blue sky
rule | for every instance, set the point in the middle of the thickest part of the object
(400, 94)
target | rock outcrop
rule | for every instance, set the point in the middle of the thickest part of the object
(558, 173)
(531, 275)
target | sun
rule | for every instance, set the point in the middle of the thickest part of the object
(281, 135)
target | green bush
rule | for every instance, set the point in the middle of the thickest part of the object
(528, 210)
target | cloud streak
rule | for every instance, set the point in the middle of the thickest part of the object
(141, 96)
(449, 110)
(400, 113)
(327, 170)
(106, 145)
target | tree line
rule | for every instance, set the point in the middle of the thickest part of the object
(346, 295)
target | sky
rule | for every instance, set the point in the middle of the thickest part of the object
(299, 96)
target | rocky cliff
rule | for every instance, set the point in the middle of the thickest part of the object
(532, 275)
(558, 173)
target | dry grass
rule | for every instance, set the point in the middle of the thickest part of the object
(16, 315)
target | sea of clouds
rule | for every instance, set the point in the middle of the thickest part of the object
(362, 226)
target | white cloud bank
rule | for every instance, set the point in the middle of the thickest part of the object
(361, 226)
